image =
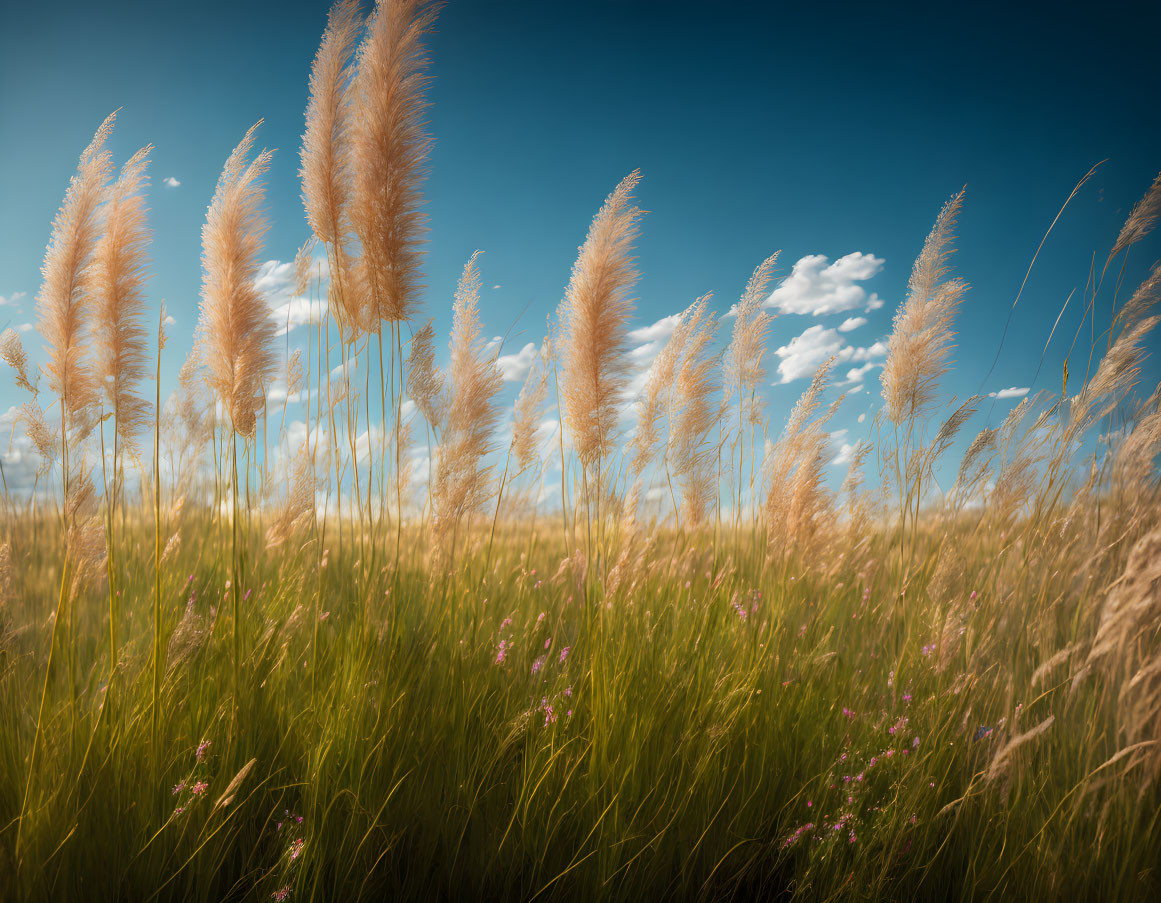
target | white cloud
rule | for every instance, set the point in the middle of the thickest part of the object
(514, 367)
(805, 353)
(339, 373)
(656, 332)
(647, 344)
(11, 300)
(494, 287)
(275, 281)
(1011, 392)
(817, 287)
(171, 182)
(852, 323)
(25, 327)
(845, 454)
(169, 320)
(297, 312)
(856, 374)
(274, 276)
(862, 417)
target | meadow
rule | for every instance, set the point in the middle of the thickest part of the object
(676, 664)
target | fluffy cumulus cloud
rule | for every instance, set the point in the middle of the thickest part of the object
(850, 324)
(275, 281)
(514, 367)
(856, 374)
(817, 287)
(655, 333)
(1010, 392)
(806, 352)
(12, 300)
(846, 454)
(644, 345)
(170, 182)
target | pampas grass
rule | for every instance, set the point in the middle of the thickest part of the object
(920, 343)
(796, 500)
(12, 353)
(63, 301)
(119, 311)
(691, 448)
(425, 383)
(326, 155)
(462, 481)
(846, 701)
(389, 147)
(530, 406)
(236, 330)
(118, 265)
(596, 317)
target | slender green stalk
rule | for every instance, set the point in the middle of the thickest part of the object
(157, 551)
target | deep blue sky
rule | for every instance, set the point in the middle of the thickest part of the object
(813, 129)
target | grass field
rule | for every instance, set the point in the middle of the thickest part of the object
(243, 663)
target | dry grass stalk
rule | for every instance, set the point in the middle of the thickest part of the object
(462, 482)
(797, 503)
(1133, 473)
(530, 406)
(1116, 374)
(973, 466)
(326, 170)
(43, 436)
(858, 506)
(951, 427)
(390, 144)
(696, 413)
(424, 379)
(597, 311)
(236, 330)
(917, 352)
(1001, 766)
(302, 267)
(744, 370)
(86, 532)
(657, 395)
(12, 353)
(63, 301)
(630, 569)
(401, 441)
(296, 513)
(1142, 300)
(118, 289)
(1142, 219)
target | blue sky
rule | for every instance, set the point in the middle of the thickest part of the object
(822, 132)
